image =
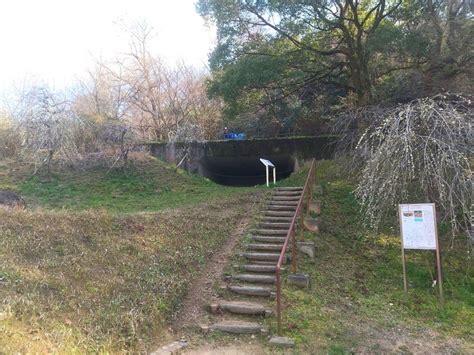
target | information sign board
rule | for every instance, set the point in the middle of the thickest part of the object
(419, 231)
(267, 162)
(418, 226)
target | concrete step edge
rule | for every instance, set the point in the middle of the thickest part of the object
(254, 278)
(289, 188)
(267, 239)
(265, 246)
(264, 231)
(240, 307)
(238, 327)
(256, 291)
(257, 268)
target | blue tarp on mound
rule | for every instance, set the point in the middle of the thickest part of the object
(235, 136)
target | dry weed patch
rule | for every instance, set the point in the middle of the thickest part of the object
(95, 281)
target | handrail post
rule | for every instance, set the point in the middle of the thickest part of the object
(301, 226)
(312, 177)
(308, 201)
(313, 185)
(278, 299)
(293, 251)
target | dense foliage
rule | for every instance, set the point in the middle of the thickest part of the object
(280, 62)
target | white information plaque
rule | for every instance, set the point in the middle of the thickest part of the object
(418, 226)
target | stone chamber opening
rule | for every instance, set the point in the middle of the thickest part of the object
(245, 171)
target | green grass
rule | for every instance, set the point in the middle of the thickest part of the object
(356, 301)
(147, 185)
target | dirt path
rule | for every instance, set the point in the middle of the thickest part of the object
(192, 311)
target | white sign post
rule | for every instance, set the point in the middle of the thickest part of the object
(418, 229)
(267, 164)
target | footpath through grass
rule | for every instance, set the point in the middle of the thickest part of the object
(356, 301)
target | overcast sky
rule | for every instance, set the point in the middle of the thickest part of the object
(56, 40)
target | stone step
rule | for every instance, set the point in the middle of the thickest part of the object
(282, 342)
(258, 268)
(276, 232)
(280, 208)
(264, 262)
(265, 246)
(270, 213)
(287, 193)
(283, 203)
(237, 307)
(289, 188)
(286, 198)
(254, 278)
(267, 239)
(274, 225)
(270, 219)
(238, 327)
(256, 291)
(264, 256)
(288, 204)
(279, 200)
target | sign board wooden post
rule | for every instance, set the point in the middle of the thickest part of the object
(418, 229)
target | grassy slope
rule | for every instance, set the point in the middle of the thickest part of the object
(148, 185)
(90, 280)
(97, 280)
(356, 301)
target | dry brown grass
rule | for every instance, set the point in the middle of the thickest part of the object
(94, 281)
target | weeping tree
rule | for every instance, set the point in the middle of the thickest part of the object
(421, 151)
(47, 127)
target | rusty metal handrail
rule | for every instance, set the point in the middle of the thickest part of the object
(308, 188)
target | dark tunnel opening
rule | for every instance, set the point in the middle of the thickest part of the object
(245, 171)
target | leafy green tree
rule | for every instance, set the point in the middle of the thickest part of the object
(273, 51)
(326, 41)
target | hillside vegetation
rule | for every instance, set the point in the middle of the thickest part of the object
(356, 301)
(90, 278)
(100, 280)
(147, 184)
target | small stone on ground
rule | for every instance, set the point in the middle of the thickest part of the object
(299, 280)
(173, 348)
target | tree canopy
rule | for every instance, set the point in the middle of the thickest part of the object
(293, 57)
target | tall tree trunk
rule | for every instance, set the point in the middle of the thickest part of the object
(360, 78)
(436, 22)
(452, 10)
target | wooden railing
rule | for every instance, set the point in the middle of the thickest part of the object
(291, 235)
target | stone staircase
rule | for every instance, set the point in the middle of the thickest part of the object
(249, 293)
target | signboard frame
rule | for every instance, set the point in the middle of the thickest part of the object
(267, 164)
(436, 249)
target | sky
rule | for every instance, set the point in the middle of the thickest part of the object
(56, 41)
